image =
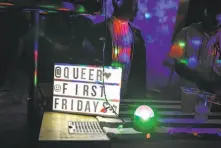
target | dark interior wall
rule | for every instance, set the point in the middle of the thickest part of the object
(191, 11)
(195, 11)
(181, 16)
(13, 26)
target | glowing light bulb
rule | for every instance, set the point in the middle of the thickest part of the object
(144, 112)
(144, 119)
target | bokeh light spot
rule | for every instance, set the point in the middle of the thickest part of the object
(147, 15)
(148, 136)
(177, 51)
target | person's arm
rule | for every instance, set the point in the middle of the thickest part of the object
(178, 52)
(94, 44)
(140, 53)
(81, 32)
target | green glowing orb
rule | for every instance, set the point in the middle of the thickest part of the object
(144, 119)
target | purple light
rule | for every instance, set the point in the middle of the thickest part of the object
(218, 18)
(69, 6)
(148, 15)
(196, 42)
(197, 130)
(192, 63)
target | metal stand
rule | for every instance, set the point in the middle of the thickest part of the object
(34, 120)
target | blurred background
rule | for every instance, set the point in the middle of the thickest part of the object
(158, 20)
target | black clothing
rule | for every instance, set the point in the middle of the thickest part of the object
(137, 78)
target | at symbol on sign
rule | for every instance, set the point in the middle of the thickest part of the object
(57, 88)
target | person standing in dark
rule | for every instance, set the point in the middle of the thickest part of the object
(196, 49)
(124, 47)
(12, 70)
(197, 53)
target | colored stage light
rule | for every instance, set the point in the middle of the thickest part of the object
(6, 4)
(79, 6)
(144, 119)
(88, 6)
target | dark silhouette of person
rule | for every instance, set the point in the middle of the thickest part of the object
(198, 45)
(124, 46)
(12, 70)
(196, 50)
